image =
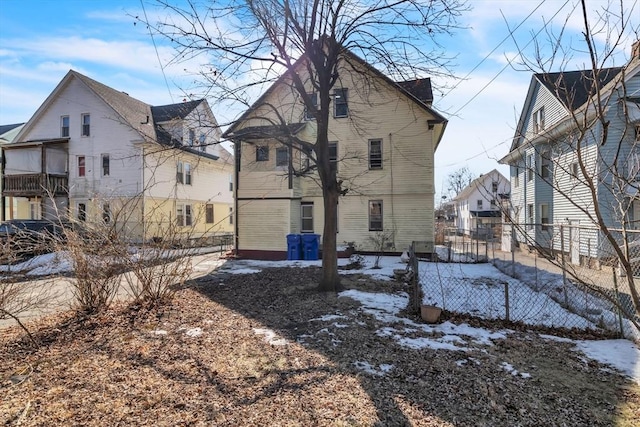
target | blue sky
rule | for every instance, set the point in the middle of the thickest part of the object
(40, 40)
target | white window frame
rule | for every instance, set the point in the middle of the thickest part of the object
(314, 100)
(375, 158)
(376, 218)
(81, 211)
(188, 174)
(545, 164)
(209, 213)
(306, 215)
(65, 130)
(180, 172)
(106, 171)
(184, 215)
(530, 216)
(545, 219)
(479, 204)
(333, 155)
(85, 124)
(538, 120)
(192, 137)
(282, 162)
(81, 163)
(262, 153)
(340, 98)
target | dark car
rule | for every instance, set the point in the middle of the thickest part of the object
(22, 238)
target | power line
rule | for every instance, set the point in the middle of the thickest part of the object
(509, 61)
(155, 47)
(507, 37)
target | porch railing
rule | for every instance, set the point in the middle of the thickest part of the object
(34, 184)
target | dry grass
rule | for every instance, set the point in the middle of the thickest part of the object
(133, 367)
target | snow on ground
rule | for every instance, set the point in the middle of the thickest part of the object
(467, 280)
(623, 355)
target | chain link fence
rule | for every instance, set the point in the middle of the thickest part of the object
(574, 280)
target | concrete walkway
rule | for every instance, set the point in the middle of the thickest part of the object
(57, 295)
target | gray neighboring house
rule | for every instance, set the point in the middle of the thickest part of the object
(547, 182)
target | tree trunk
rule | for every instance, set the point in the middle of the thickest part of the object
(330, 281)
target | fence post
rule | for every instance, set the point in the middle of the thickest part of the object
(506, 301)
(615, 287)
(564, 267)
(477, 242)
(449, 251)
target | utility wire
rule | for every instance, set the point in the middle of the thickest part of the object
(507, 37)
(509, 61)
(155, 47)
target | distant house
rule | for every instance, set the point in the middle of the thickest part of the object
(7, 134)
(549, 185)
(93, 153)
(383, 143)
(480, 205)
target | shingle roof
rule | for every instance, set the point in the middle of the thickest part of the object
(164, 113)
(420, 88)
(136, 113)
(573, 88)
(6, 128)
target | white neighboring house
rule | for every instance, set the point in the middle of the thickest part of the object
(479, 205)
(8, 134)
(96, 154)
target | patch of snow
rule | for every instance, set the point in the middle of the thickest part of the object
(193, 332)
(160, 332)
(270, 336)
(369, 369)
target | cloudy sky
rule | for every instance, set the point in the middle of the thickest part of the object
(40, 40)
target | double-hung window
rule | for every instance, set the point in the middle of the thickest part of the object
(180, 173)
(306, 215)
(538, 120)
(192, 137)
(282, 157)
(209, 213)
(340, 102)
(544, 216)
(308, 114)
(530, 167)
(516, 177)
(333, 156)
(188, 180)
(105, 165)
(202, 142)
(479, 204)
(82, 166)
(545, 164)
(375, 154)
(183, 215)
(64, 126)
(375, 215)
(530, 216)
(86, 124)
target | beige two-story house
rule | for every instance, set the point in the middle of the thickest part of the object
(91, 153)
(383, 136)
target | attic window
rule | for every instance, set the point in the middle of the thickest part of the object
(538, 120)
(340, 103)
(310, 115)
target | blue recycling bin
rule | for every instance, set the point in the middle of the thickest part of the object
(310, 246)
(293, 246)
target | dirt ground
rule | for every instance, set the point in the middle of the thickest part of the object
(254, 350)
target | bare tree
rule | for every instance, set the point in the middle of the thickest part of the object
(586, 155)
(253, 43)
(458, 180)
